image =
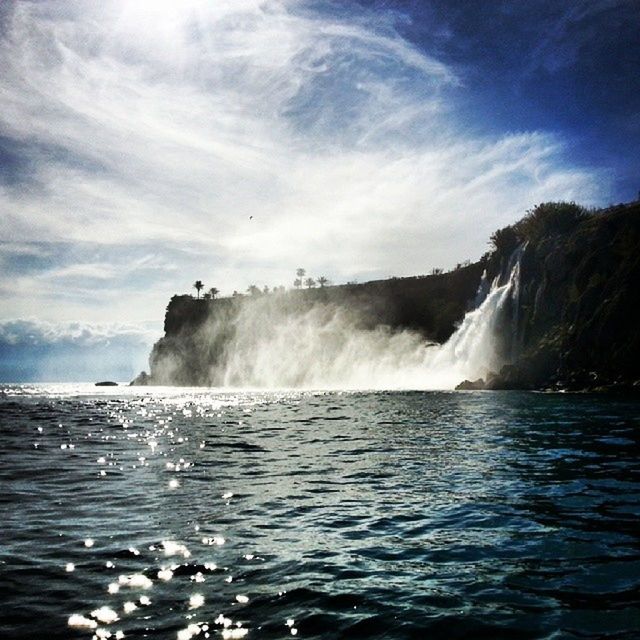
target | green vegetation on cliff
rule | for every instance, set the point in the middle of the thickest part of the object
(579, 299)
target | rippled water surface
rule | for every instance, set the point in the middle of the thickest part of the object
(157, 513)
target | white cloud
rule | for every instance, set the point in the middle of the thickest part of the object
(172, 123)
(35, 350)
(93, 271)
(33, 332)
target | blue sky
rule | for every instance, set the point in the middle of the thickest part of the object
(566, 67)
(365, 139)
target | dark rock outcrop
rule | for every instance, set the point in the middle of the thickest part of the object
(141, 380)
(579, 302)
(471, 385)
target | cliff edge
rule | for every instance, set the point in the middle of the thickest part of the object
(577, 326)
(570, 324)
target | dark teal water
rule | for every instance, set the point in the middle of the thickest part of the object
(353, 515)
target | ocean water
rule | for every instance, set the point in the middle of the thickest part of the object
(180, 513)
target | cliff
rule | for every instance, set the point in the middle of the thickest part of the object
(198, 333)
(578, 305)
(568, 323)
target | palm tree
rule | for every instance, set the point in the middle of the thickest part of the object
(213, 292)
(198, 286)
(297, 283)
(310, 282)
(322, 281)
(301, 273)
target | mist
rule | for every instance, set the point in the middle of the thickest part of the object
(285, 341)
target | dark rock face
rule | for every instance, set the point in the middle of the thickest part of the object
(574, 325)
(471, 385)
(141, 380)
(580, 296)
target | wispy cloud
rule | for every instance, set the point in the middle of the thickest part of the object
(167, 125)
(566, 31)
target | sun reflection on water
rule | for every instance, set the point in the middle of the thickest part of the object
(232, 514)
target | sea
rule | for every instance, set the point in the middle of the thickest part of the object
(185, 513)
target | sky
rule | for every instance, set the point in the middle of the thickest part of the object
(145, 144)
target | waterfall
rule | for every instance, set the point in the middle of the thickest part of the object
(486, 337)
(483, 290)
(324, 345)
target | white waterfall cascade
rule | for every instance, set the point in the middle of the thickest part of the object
(479, 344)
(325, 346)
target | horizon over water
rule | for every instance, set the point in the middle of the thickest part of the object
(178, 513)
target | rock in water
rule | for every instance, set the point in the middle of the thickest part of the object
(471, 385)
(106, 383)
(142, 379)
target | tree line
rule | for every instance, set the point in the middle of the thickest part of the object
(254, 290)
(543, 219)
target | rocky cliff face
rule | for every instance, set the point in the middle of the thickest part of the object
(577, 323)
(571, 324)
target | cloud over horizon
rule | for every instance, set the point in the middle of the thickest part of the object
(40, 333)
(36, 350)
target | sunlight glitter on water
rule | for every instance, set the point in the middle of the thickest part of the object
(196, 601)
(135, 581)
(298, 503)
(80, 622)
(161, 439)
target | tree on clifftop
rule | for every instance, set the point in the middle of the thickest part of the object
(198, 286)
(505, 240)
(310, 282)
(213, 292)
(297, 283)
(547, 218)
(550, 218)
(322, 281)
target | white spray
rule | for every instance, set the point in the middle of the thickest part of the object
(327, 346)
(479, 344)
